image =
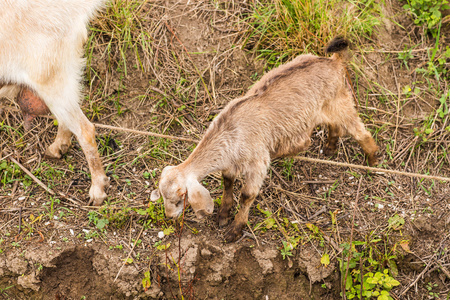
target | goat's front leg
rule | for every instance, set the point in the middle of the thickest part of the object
(248, 194)
(71, 119)
(99, 180)
(227, 200)
(241, 219)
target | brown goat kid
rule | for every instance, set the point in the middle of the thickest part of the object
(274, 119)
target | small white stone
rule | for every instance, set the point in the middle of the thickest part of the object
(380, 206)
(22, 198)
(55, 217)
(89, 240)
(71, 231)
(86, 231)
(160, 234)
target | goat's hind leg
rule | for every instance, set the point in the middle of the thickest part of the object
(355, 127)
(223, 214)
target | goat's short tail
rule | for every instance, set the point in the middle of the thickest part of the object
(339, 46)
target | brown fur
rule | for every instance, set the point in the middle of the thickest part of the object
(274, 119)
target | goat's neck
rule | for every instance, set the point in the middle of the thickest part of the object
(204, 161)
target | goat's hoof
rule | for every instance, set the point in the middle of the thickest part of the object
(329, 151)
(233, 233)
(222, 221)
(97, 192)
(97, 200)
(372, 160)
(56, 151)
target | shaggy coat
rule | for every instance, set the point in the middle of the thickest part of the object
(41, 48)
(274, 119)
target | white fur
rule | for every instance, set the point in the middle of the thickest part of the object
(41, 48)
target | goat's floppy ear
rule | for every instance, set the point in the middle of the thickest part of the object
(199, 198)
(155, 195)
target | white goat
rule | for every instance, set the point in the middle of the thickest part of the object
(41, 48)
(274, 119)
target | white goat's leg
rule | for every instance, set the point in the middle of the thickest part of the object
(61, 144)
(85, 133)
(62, 100)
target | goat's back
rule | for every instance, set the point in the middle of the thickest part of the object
(278, 114)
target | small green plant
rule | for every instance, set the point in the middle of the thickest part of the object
(154, 213)
(368, 267)
(430, 286)
(3, 291)
(286, 250)
(113, 216)
(268, 223)
(146, 281)
(95, 219)
(427, 12)
(160, 246)
(10, 172)
(288, 165)
(327, 194)
(405, 56)
(376, 285)
(149, 175)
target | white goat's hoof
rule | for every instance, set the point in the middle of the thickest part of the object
(56, 150)
(97, 192)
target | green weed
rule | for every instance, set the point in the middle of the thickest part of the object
(10, 172)
(286, 250)
(427, 12)
(368, 267)
(154, 213)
